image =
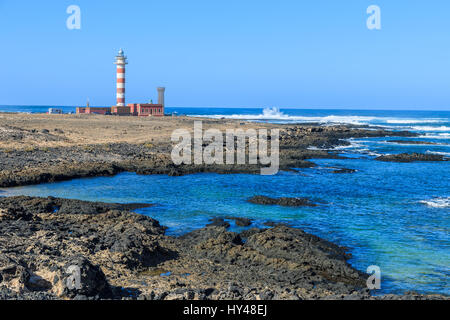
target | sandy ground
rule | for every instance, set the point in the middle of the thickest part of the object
(99, 129)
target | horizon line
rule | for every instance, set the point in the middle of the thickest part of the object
(254, 107)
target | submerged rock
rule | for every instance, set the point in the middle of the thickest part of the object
(240, 222)
(218, 222)
(275, 224)
(344, 170)
(285, 202)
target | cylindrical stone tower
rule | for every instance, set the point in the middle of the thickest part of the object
(121, 61)
(161, 95)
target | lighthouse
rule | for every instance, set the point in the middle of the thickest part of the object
(121, 61)
(132, 109)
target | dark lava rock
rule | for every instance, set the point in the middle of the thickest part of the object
(218, 222)
(411, 157)
(274, 258)
(39, 242)
(241, 222)
(247, 233)
(326, 258)
(26, 206)
(412, 142)
(133, 206)
(285, 202)
(117, 253)
(275, 224)
(14, 214)
(344, 170)
(203, 235)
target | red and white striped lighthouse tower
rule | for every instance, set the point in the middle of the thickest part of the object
(121, 61)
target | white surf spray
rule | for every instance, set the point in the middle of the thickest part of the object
(437, 202)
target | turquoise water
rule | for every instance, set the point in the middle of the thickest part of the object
(394, 215)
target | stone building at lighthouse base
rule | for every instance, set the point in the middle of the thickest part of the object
(132, 109)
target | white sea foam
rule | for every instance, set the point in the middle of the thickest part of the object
(429, 128)
(413, 121)
(274, 114)
(313, 148)
(376, 154)
(437, 202)
(436, 136)
(445, 154)
(354, 144)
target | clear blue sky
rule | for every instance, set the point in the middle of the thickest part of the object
(229, 53)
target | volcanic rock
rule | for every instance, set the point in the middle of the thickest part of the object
(284, 201)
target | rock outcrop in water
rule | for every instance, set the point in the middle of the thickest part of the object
(413, 142)
(344, 170)
(284, 201)
(411, 157)
(123, 255)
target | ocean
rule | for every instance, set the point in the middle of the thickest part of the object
(393, 215)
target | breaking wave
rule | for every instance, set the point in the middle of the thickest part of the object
(413, 121)
(428, 128)
(437, 202)
(436, 136)
(274, 114)
(445, 154)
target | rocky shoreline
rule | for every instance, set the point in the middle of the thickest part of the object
(124, 255)
(36, 164)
